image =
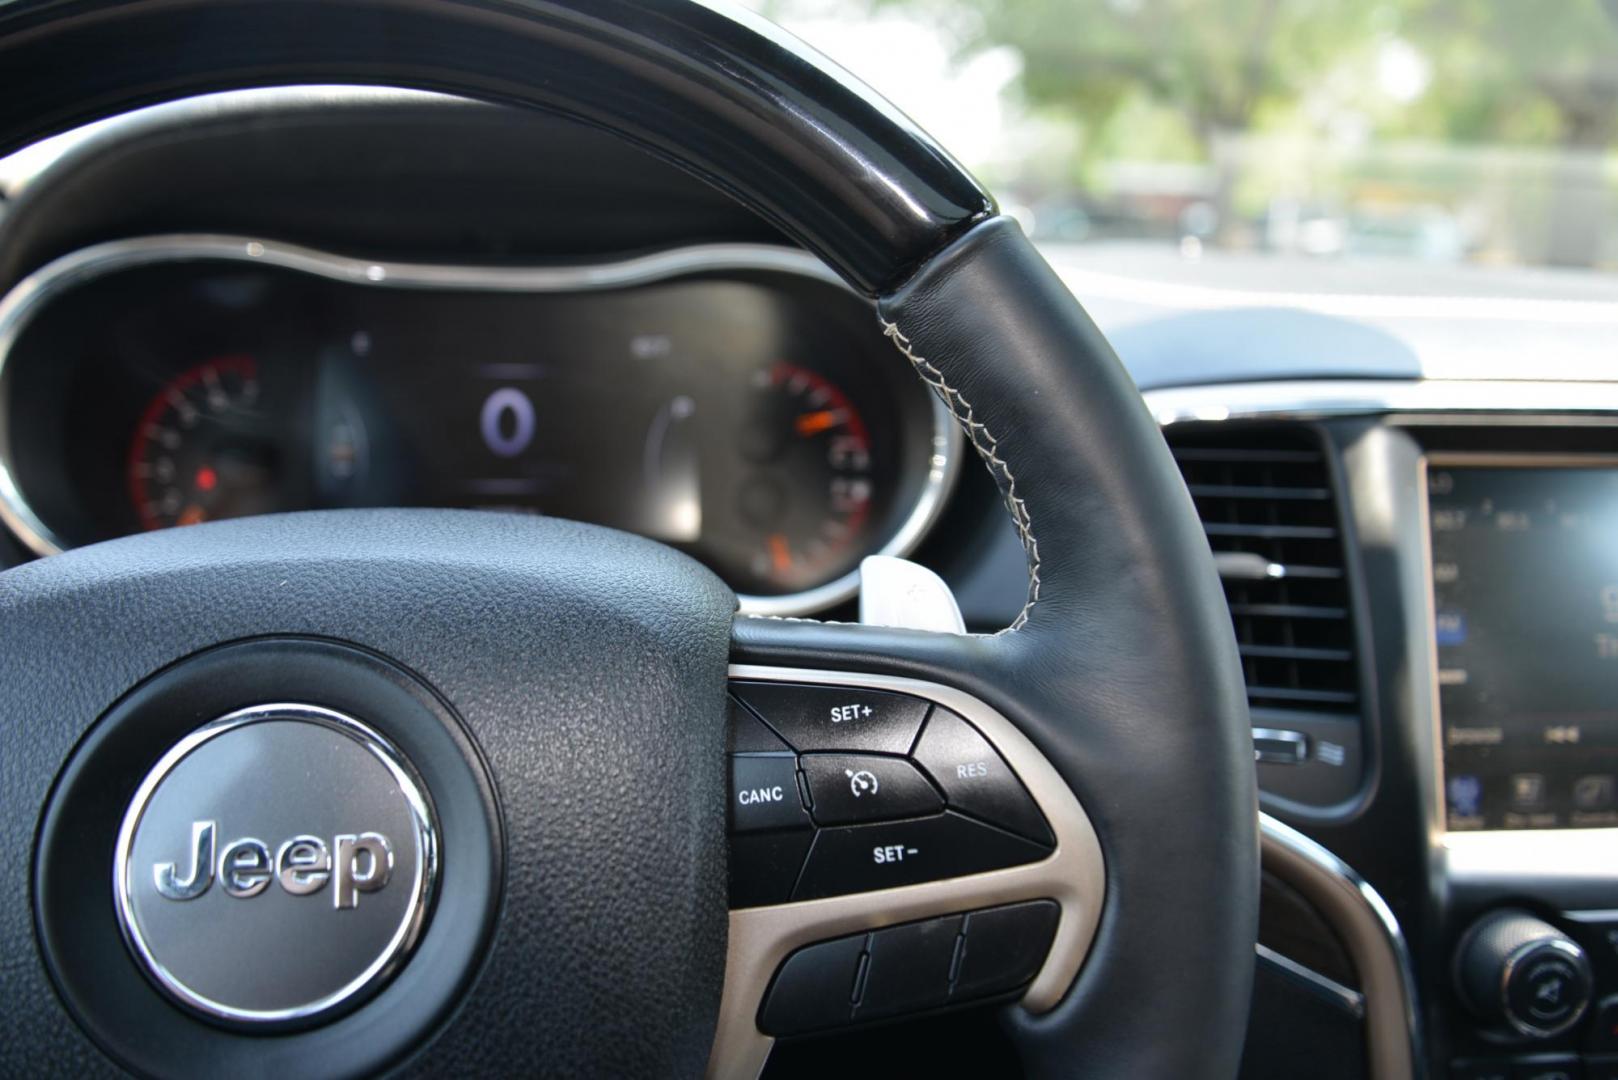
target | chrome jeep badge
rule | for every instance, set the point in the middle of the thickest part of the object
(322, 888)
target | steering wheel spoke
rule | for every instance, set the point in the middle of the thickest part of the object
(897, 846)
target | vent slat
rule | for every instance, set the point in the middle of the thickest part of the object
(1266, 499)
(1291, 457)
(1289, 611)
(1288, 652)
(1241, 491)
(1271, 532)
(1287, 693)
(1321, 573)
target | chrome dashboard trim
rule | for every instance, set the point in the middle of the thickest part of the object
(20, 305)
(1372, 936)
(1317, 398)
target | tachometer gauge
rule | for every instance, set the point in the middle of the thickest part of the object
(203, 450)
(805, 488)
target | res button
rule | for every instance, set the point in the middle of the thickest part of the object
(975, 779)
(836, 717)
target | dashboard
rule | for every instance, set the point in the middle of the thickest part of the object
(732, 401)
(284, 302)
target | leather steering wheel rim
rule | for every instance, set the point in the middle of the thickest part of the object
(1121, 669)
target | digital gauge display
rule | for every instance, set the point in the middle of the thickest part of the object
(755, 420)
(1525, 604)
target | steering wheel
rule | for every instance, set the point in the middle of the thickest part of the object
(337, 792)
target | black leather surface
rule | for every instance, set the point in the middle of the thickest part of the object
(404, 177)
(730, 99)
(1125, 673)
(588, 665)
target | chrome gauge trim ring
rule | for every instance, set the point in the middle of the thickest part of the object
(20, 306)
(398, 946)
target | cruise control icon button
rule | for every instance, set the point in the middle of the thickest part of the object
(276, 864)
(845, 789)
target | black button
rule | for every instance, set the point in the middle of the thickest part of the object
(749, 735)
(1004, 948)
(836, 717)
(975, 779)
(845, 789)
(859, 858)
(814, 988)
(1545, 1068)
(1480, 1070)
(1546, 988)
(1493, 1069)
(764, 866)
(764, 793)
(1604, 1026)
(909, 968)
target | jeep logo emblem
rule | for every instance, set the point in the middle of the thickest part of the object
(314, 804)
(303, 865)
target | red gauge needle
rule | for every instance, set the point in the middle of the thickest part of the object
(815, 422)
(780, 554)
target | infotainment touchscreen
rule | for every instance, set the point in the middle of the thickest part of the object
(1525, 602)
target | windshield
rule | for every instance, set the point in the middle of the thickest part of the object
(1478, 133)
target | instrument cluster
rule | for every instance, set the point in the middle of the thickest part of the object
(734, 402)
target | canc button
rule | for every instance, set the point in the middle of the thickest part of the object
(836, 717)
(764, 793)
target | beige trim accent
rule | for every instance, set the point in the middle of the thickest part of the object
(1371, 935)
(1074, 876)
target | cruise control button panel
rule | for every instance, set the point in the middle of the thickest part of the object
(848, 789)
(838, 790)
(914, 967)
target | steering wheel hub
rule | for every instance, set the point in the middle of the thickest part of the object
(275, 864)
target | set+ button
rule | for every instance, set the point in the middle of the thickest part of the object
(836, 717)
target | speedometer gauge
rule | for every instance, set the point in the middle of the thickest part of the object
(805, 486)
(201, 449)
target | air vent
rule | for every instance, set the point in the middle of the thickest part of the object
(1264, 494)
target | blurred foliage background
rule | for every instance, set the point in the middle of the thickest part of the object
(1482, 131)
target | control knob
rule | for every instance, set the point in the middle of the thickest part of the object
(1521, 972)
